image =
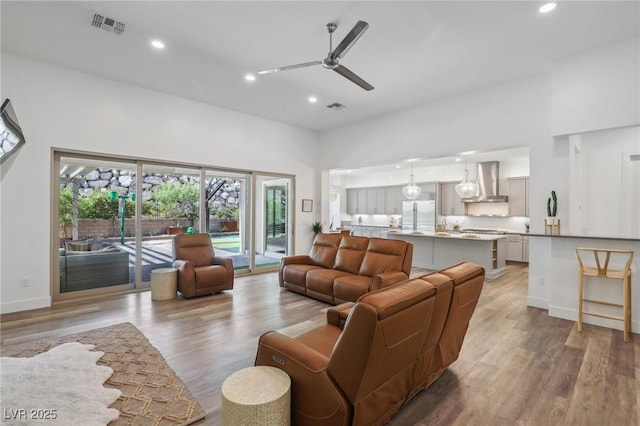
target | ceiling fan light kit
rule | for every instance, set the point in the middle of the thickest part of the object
(332, 61)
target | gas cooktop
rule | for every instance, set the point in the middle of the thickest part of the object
(483, 231)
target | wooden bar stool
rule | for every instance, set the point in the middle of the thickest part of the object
(602, 270)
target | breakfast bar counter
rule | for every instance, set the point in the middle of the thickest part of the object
(434, 250)
(553, 276)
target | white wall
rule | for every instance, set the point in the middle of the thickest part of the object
(606, 197)
(510, 115)
(66, 109)
(597, 90)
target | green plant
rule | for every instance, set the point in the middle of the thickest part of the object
(552, 205)
(317, 227)
(226, 212)
(177, 200)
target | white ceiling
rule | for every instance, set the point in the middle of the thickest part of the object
(413, 52)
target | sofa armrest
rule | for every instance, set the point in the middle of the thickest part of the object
(385, 280)
(315, 395)
(337, 315)
(298, 259)
(227, 263)
(186, 277)
(301, 259)
(290, 351)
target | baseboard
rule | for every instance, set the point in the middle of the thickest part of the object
(537, 302)
(25, 305)
(572, 315)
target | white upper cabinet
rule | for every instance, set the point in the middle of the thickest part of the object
(518, 196)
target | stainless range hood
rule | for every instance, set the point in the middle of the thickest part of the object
(488, 187)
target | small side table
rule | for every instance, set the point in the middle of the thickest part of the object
(257, 396)
(164, 283)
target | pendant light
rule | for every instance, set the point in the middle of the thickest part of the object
(466, 188)
(411, 191)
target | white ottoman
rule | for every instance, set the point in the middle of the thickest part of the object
(256, 396)
(164, 283)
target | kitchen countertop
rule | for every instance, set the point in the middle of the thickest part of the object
(594, 237)
(460, 236)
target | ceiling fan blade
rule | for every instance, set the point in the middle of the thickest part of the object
(290, 67)
(350, 39)
(347, 73)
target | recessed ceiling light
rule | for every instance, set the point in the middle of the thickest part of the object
(411, 160)
(547, 7)
(397, 166)
(458, 159)
(250, 77)
(157, 44)
(312, 99)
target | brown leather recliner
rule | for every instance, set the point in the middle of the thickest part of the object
(373, 355)
(200, 272)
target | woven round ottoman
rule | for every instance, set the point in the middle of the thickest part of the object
(164, 283)
(256, 396)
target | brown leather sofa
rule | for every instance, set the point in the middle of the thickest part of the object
(200, 272)
(341, 268)
(372, 356)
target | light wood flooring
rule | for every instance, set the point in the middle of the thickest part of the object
(517, 366)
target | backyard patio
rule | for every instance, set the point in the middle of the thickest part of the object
(158, 253)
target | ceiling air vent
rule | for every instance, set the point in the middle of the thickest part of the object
(634, 157)
(107, 24)
(335, 106)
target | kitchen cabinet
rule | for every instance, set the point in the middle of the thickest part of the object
(517, 248)
(393, 200)
(375, 201)
(518, 196)
(357, 201)
(450, 202)
(352, 201)
(362, 201)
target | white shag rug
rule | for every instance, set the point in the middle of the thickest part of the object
(62, 386)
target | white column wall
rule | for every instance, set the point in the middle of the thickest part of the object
(66, 109)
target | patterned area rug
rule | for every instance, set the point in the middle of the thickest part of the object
(152, 393)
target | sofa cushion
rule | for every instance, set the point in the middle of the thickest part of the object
(297, 274)
(78, 245)
(350, 287)
(324, 249)
(383, 256)
(350, 254)
(321, 281)
(209, 274)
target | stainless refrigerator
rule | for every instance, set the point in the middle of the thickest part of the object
(419, 215)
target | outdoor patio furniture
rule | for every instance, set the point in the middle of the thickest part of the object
(92, 264)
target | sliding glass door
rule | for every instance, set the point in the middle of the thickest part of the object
(226, 213)
(117, 219)
(96, 211)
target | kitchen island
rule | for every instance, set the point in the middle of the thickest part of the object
(433, 250)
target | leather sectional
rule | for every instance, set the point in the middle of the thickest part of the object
(372, 356)
(341, 268)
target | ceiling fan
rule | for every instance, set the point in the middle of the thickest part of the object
(332, 61)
